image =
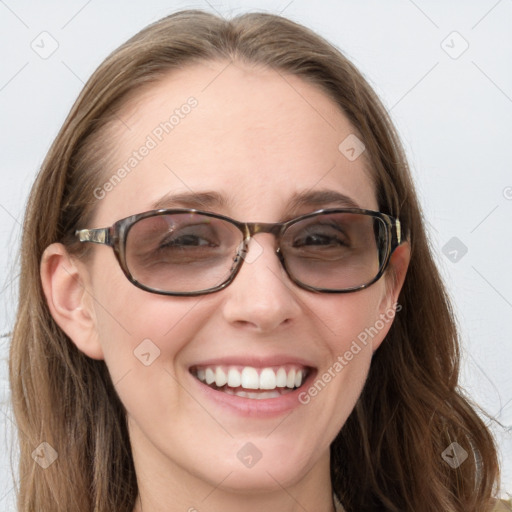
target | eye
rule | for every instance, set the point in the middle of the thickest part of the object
(185, 240)
(316, 239)
(320, 235)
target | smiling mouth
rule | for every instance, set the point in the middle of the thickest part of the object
(251, 382)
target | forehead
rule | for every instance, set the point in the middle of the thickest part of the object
(255, 136)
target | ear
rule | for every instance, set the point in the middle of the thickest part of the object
(398, 265)
(394, 280)
(64, 282)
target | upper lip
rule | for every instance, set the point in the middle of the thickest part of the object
(254, 361)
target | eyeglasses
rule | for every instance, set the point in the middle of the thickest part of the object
(188, 252)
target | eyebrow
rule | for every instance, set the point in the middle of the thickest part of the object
(214, 200)
(321, 198)
(198, 200)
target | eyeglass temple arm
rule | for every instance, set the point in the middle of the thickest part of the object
(96, 236)
(396, 239)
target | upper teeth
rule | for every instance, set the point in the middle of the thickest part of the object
(251, 378)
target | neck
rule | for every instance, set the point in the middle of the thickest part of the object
(285, 501)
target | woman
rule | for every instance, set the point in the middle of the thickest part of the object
(228, 298)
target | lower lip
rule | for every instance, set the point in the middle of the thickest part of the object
(262, 408)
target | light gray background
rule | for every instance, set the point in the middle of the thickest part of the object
(453, 110)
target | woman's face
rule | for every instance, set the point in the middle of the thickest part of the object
(256, 139)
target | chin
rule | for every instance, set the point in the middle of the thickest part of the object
(261, 465)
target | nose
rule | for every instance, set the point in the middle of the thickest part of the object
(261, 297)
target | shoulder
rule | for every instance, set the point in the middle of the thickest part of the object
(496, 505)
(502, 506)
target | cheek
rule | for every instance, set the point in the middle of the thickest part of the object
(350, 327)
(135, 328)
(349, 317)
(142, 336)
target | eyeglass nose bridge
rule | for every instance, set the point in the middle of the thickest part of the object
(254, 228)
(250, 229)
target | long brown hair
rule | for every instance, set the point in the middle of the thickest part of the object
(388, 454)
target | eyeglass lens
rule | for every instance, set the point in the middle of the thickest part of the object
(188, 252)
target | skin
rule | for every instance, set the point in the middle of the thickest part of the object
(256, 137)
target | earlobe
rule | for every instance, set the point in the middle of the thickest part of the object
(63, 281)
